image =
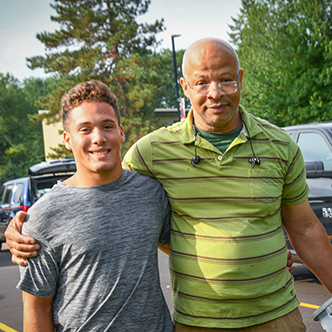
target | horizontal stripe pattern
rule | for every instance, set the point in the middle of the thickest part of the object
(227, 243)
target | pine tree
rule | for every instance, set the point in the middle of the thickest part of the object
(100, 39)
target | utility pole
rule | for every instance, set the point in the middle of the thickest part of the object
(176, 77)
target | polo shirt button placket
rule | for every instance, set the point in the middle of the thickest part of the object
(220, 158)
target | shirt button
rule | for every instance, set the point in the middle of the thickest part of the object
(220, 157)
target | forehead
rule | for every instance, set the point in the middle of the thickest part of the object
(92, 111)
(209, 59)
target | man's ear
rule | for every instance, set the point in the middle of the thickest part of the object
(184, 87)
(67, 140)
(122, 133)
(240, 78)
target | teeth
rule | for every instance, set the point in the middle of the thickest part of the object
(100, 153)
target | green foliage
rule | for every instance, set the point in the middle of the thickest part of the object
(285, 49)
(100, 39)
(22, 140)
(166, 79)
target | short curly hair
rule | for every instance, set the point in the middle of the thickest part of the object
(84, 92)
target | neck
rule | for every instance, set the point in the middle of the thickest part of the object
(91, 179)
(224, 127)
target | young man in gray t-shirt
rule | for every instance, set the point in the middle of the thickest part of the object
(97, 269)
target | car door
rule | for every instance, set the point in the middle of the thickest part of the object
(316, 146)
(6, 195)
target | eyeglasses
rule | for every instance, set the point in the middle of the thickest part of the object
(225, 87)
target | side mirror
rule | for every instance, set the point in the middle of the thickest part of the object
(315, 169)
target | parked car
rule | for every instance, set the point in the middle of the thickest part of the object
(19, 194)
(315, 142)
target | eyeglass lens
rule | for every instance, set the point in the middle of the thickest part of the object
(226, 87)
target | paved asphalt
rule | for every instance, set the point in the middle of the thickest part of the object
(308, 288)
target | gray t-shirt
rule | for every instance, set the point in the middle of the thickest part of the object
(98, 255)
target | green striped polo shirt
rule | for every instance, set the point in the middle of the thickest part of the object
(228, 251)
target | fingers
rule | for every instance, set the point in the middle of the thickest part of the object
(19, 261)
(21, 251)
(291, 269)
(290, 262)
(20, 246)
(14, 230)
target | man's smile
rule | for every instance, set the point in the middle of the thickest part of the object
(100, 153)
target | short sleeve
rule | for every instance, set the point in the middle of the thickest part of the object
(40, 277)
(139, 157)
(164, 237)
(295, 189)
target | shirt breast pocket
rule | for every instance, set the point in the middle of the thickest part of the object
(266, 186)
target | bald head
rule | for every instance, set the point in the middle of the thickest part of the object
(204, 46)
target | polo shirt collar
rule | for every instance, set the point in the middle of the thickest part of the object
(187, 134)
(252, 126)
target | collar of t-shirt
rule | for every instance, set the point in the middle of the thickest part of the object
(220, 140)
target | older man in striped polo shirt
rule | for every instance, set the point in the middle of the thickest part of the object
(233, 180)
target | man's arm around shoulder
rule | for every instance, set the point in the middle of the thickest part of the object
(20, 246)
(37, 312)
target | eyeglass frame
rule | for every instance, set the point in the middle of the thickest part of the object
(226, 93)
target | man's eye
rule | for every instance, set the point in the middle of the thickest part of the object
(201, 83)
(107, 127)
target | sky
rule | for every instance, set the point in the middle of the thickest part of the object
(21, 20)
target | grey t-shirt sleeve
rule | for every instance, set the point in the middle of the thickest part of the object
(166, 228)
(40, 277)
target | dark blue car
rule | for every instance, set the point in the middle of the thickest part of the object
(19, 194)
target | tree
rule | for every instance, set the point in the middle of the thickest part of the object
(285, 48)
(100, 39)
(22, 140)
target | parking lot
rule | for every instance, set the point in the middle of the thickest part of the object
(310, 292)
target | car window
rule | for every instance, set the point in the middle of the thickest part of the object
(18, 193)
(42, 192)
(2, 191)
(8, 194)
(314, 147)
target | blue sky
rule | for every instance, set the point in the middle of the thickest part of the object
(21, 20)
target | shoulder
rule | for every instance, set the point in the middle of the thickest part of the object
(268, 129)
(164, 134)
(135, 180)
(48, 199)
(146, 186)
(50, 206)
(280, 142)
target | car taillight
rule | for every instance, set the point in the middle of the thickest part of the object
(25, 208)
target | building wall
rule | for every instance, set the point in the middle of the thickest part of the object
(52, 138)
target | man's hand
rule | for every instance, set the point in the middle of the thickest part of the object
(19, 245)
(290, 262)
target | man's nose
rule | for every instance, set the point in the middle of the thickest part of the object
(214, 91)
(98, 136)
